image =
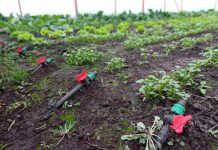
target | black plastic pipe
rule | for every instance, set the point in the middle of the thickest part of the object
(162, 136)
(36, 68)
(60, 103)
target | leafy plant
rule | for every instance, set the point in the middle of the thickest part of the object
(133, 42)
(87, 29)
(147, 135)
(123, 27)
(140, 29)
(57, 34)
(203, 87)
(172, 86)
(52, 34)
(84, 55)
(91, 38)
(38, 41)
(45, 32)
(171, 47)
(162, 86)
(205, 38)
(115, 64)
(23, 36)
(187, 42)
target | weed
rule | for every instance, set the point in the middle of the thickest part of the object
(68, 117)
(155, 55)
(42, 85)
(10, 73)
(144, 54)
(18, 104)
(3, 146)
(64, 130)
(147, 135)
(213, 131)
(123, 76)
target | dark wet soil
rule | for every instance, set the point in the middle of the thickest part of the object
(109, 106)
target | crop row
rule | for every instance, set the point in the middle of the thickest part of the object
(172, 86)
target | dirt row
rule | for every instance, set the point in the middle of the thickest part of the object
(109, 106)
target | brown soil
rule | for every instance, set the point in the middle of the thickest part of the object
(109, 106)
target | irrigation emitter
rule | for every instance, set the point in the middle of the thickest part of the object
(82, 79)
(21, 51)
(174, 122)
(42, 62)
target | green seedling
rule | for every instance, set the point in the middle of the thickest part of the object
(84, 55)
(115, 64)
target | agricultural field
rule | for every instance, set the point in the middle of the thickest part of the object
(145, 63)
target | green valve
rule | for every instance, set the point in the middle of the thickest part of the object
(178, 109)
(24, 50)
(92, 75)
(49, 60)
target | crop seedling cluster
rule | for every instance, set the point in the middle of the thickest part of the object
(84, 55)
(172, 86)
(115, 64)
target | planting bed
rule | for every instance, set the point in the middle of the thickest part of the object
(112, 105)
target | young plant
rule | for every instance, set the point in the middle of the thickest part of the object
(146, 136)
(172, 86)
(187, 42)
(84, 55)
(140, 29)
(123, 27)
(65, 130)
(23, 36)
(205, 38)
(203, 87)
(133, 42)
(170, 48)
(115, 64)
(162, 86)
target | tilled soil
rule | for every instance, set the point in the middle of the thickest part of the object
(109, 106)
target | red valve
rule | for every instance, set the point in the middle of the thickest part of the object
(19, 50)
(179, 122)
(41, 60)
(2, 43)
(80, 77)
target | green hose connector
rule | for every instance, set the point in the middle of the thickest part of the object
(178, 109)
(91, 75)
(49, 60)
(24, 50)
